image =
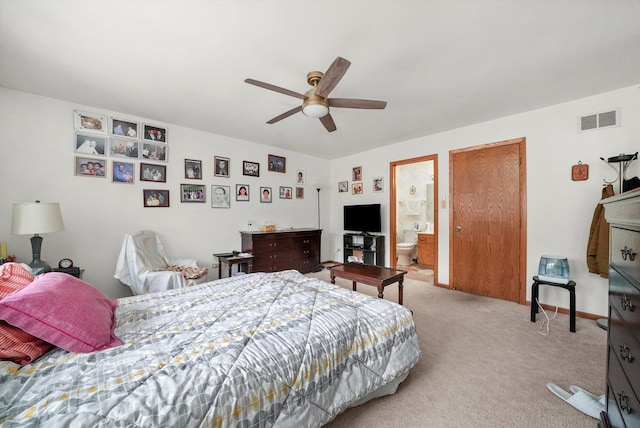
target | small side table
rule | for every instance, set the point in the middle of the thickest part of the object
(570, 286)
(230, 260)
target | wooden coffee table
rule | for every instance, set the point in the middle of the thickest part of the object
(376, 276)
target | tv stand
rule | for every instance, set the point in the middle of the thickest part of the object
(369, 249)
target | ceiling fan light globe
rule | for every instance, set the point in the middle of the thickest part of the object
(315, 110)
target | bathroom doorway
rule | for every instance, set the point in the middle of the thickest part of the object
(413, 216)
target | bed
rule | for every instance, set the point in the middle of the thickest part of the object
(264, 349)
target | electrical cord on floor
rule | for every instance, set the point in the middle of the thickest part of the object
(546, 324)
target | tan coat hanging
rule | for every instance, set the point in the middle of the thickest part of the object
(598, 244)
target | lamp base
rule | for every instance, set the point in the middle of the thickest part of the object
(36, 264)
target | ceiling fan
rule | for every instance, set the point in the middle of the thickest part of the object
(315, 101)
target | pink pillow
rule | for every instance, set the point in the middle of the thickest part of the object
(65, 311)
(17, 345)
(13, 277)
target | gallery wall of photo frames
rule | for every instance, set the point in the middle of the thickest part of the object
(107, 146)
(357, 186)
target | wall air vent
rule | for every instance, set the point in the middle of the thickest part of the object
(603, 119)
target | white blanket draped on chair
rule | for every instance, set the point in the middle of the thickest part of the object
(144, 266)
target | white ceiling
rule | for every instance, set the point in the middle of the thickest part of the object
(440, 65)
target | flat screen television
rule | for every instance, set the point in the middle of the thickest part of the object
(362, 218)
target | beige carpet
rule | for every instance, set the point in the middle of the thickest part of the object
(484, 364)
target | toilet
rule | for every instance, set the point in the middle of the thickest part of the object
(405, 251)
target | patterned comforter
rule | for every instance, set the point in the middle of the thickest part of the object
(275, 349)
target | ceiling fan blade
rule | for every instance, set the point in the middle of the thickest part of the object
(274, 88)
(328, 123)
(332, 77)
(285, 115)
(355, 103)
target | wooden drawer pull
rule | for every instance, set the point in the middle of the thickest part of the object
(626, 304)
(627, 252)
(625, 353)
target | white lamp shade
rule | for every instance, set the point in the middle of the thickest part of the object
(315, 110)
(36, 218)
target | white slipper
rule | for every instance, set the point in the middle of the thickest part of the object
(580, 400)
(599, 398)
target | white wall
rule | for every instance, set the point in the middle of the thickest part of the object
(37, 162)
(559, 210)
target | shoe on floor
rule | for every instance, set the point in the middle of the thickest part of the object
(581, 400)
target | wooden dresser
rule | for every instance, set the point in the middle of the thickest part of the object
(284, 249)
(623, 353)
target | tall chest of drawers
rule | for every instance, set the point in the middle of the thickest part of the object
(622, 212)
(288, 249)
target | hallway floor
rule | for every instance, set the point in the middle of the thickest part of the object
(417, 272)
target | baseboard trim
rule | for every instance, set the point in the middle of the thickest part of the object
(579, 314)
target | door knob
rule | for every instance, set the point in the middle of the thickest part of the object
(458, 228)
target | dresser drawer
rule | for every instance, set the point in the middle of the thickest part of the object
(303, 253)
(264, 245)
(272, 262)
(304, 265)
(625, 298)
(621, 391)
(625, 246)
(305, 241)
(626, 348)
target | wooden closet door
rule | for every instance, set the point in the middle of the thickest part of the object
(487, 224)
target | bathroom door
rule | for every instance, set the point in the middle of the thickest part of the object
(487, 246)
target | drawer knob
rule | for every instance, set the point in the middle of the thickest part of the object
(625, 353)
(626, 304)
(624, 402)
(627, 252)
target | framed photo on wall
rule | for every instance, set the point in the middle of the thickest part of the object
(90, 122)
(153, 172)
(220, 196)
(299, 192)
(192, 193)
(343, 186)
(285, 192)
(122, 148)
(251, 168)
(378, 184)
(154, 133)
(356, 189)
(265, 194)
(124, 128)
(193, 169)
(242, 192)
(155, 198)
(277, 163)
(300, 175)
(221, 166)
(155, 151)
(89, 167)
(123, 172)
(356, 173)
(88, 144)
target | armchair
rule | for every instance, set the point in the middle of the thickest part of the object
(144, 266)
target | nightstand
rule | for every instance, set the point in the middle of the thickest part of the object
(74, 271)
(229, 259)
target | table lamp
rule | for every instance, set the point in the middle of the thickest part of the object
(36, 218)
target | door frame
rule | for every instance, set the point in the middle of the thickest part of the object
(523, 210)
(393, 203)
